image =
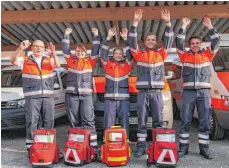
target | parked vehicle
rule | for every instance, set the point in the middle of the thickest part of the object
(219, 92)
(99, 91)
(13, 101)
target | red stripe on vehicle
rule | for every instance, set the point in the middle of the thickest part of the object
(219, 104)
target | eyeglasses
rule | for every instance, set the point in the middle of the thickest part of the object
(37, 46)
(197, 43)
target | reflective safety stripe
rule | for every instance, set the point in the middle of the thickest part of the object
(94, 57)
(214, 36)
(184, 141)
(28, 146)
(141, 139)
(29, 141)
(70, 88)
(92, 137)
(152, 83)
(150, 65)
(203, 136)
(157, 83)
(76, 157)
(197, 84)
(127, 48)
(47, 163)
(67, 55)
(95, 42)
(181, 36)
(126, 95)
(105, 47)
(141, 135)
(162, 160)
(93, 143)
(133, 34)
(142, 83)
(79, 72)
(82, 90)
(116, 159)
(116, 78)
(184, 135)
(202, 141)
(38, 92)
(65, 41)
(197, 65)
(133, 50)
(37, 76)
(85, 90)
(169, 34)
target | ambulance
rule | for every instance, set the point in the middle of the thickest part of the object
(219, 90)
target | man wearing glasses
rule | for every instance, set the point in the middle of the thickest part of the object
(196, 85)
(38, 85)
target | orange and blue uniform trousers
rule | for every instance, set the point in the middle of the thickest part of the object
(117, 87)
(38, 88)
(78, 98)
(150, 82)
(196, 85)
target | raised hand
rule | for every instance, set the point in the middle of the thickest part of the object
(68, 31)
(95, 31)
(24, 44)
(111, 33)
(124, 33)
(185, 22)
(138, 15)
(51, 48)
(165, 15)
(207, 23)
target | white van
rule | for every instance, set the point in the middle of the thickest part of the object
(219, 91)
(12, 98)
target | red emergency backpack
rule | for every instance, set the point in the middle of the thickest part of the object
(44, 152)
(163, 151)
(116, 150)
(77, 148)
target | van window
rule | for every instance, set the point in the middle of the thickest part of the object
(98, 70)
(221, 60)
(11, 78)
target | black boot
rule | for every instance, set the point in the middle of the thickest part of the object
(97, 154)
(181, 153)
(140, 149)
(206, 153)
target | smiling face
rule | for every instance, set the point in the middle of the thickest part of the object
(118, 54)
(150, 41)
(80, 51)
(38, 48)
(195, 44)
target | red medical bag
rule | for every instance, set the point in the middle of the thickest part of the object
(44, 152)
(116, 150)
(163, 151)
(77, 148)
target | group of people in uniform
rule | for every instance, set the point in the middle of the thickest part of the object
(38, 83)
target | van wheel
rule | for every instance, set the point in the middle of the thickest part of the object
(176, 112)
(216, 132)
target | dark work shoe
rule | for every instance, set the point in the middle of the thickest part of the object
(97, 154)
(206, 154)
(139, 152)
(182, 153)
